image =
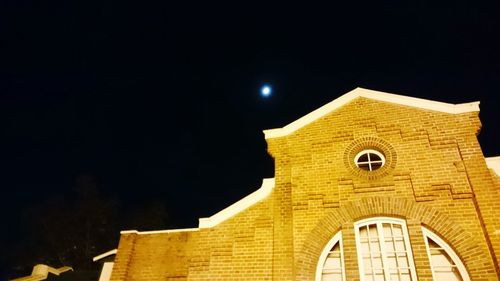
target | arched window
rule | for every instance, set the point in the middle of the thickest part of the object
(369, 160)
(384, 254)
(384, 251)
(331, 261)
(445, 264)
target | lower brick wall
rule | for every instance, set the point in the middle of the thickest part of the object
(152, 257)
(231, 252)
(238, 249)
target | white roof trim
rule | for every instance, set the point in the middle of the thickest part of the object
(158, 231)
(103, 255)
(375, 95)
(494, 164)
(41, 272)
(256, 196)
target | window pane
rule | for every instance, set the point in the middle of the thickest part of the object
(400, 246)
(373, 231)
(387, 230)
(403, 261)
(394, 276)
(363, 158)
(447, 276)
(367, 264)
(389, 246)
(332, 263)
(331, 277)
(375, 157)
(376, 165)
(364, 166)
(365, 249)
(391, 261)
(379, 277)
(377, 262)
(363, 232)
(375, 247)
(441, 260)
(397, 230)
(406, 277)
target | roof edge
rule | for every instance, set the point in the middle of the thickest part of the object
(237, 207)
(494, 164)
(41, 272)
(251, 199)
(103, 255)
(374, 95)
(133, 231)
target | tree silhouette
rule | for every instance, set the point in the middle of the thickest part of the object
(70, 229)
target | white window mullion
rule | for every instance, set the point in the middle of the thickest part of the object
(369, 162)
(393, 241)
(383, 251)
(408, 252)
(370, 251)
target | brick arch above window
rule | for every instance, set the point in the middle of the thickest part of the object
(331, 223)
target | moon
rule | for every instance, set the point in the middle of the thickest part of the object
(266, 91)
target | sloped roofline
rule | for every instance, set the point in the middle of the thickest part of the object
(374, 95)
(253, 198)
(104, 255)
(239, 206)
(41, 272)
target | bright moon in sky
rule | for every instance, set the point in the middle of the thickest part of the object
(265, 91)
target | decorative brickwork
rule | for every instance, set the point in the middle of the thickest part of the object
(434, 176)
(370, 143)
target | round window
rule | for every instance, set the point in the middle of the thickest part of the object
(369, 160)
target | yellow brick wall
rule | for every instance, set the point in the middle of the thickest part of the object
(435, 176)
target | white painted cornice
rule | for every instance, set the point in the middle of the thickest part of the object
(374, 95)
(103, 255)
(158, 231)
(253, 198)
(494, 164)
(41, 272)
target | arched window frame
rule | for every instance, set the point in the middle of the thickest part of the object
(369, 161)
(337, 238)
(379, 221)
(458, 262)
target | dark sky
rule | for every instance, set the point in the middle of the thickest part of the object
(161, 100)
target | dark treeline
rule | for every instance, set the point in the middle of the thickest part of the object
(70, 229)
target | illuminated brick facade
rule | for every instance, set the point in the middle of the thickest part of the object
(434, 178)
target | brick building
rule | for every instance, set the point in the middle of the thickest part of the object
(372, 186)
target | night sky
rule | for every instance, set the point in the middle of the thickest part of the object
(161, 101)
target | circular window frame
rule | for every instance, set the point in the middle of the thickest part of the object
(363, 144)
(369, 162)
